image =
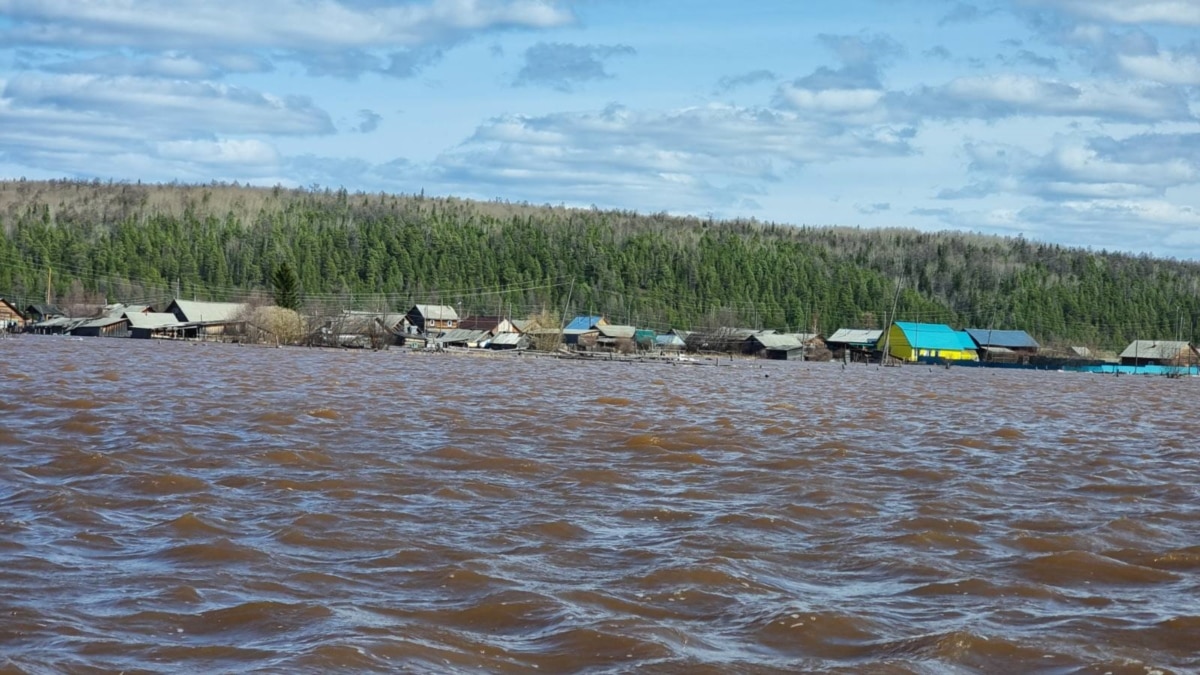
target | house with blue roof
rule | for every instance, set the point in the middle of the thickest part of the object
(1003, 344)
(586, 323)
(911, 342)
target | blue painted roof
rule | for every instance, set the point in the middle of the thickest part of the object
(935, 336)
(584, 322)
(1011, 339)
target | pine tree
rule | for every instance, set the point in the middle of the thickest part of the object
(287, 286)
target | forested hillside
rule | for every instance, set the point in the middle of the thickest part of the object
(130, 243)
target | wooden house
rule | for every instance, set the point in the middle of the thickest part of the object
(105, 326)
(912, 342)
(432, 318)
(350, 328)
(208, 319)
(11, 318)
(586, 322)
(855, 345)
(59, 325)
(39, 313)
(1011, 346)
(728, 340)
(580, 338)
(1160, 353)
(781, 346)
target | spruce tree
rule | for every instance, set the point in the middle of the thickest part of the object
(287, 286)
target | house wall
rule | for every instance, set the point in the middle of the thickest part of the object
(897, 344)
(900, 348)
(785, 354)
(1184, 357)
(8, 315)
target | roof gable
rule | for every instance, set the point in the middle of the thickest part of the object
(12, 307)
(436, 312)
(46, 311)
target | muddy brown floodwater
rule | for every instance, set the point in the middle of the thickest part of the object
(170, 507)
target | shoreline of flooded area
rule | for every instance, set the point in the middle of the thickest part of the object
(169, 507)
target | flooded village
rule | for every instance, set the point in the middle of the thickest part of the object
(440, 328)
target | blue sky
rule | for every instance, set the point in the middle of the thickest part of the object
(1069, 121)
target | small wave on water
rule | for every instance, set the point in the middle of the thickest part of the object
(320, 511)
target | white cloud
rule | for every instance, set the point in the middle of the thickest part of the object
(168, 65)
(831, 100)
(563, 66)
(1009, 95)
(171, 106)
(693, 158)
(239, 152)
(1122, 224)
(1172, 12)
(281, 24)
(1077, 168)
(1165, 67)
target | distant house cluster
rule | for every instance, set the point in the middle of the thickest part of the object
(906, 342)
(181, 319)
(439, 327)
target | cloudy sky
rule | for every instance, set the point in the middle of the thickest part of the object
(1071, 121)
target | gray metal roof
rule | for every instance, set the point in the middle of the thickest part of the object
(508, 339)
(57, 321)
(774, 341)
(462, 335)
(1155, 349)
(611, 331)
(856, 336)
(437, 312)
(102, 322)
(209, 312)
(151, 320)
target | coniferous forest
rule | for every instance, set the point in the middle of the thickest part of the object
(148, 243)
